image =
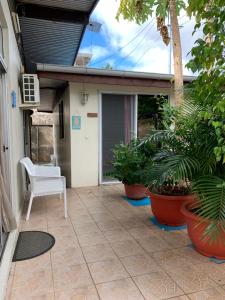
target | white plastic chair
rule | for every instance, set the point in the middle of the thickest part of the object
(44, 180)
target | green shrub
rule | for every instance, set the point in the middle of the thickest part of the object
(132, 161)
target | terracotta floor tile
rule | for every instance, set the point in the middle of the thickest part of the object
(62, 230)
(86, 293)
(71, 277)
(81, 219)
(91, 238)
(98, 209)
(98, 252)
(140, 264)
(191, 255)
(191, 279)
(31, 279)
(173, 269)
(141, 232)
(184, 297)
(108, 225)
(32, 294)
(117, 235)
(215, 271)
(67, 257)
(123, 289)
(32, 265)
(107, 270)
(131, 223)
(210, 294)
(57, 219)
(168, 259)
(64, 238)
(85, 228)
(101, 217)
(157, 286)
(27, 226)
(176, 238)
(126, 248)
(153, 243)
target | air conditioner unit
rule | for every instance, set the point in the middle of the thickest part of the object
(31, 91)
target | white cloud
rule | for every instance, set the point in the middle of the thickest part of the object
(97, 52)
(147, 51)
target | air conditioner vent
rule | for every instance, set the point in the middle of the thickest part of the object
(31, 92)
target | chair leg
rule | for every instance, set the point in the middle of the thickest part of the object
(29, 206)
(65, 203)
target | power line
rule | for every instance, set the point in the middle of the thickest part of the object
(122, 47)
(138, 45)
(145, 52)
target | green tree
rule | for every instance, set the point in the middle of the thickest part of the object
(141, 10)
(107, 67)
(208, 59)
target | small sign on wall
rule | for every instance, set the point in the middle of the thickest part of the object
(76, 122)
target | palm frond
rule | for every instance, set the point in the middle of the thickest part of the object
(211, 192)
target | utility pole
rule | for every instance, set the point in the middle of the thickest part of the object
(170, 47)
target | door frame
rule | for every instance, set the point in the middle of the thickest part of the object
(133, 118)
(4, 127)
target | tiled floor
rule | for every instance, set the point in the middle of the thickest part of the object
(109, 250)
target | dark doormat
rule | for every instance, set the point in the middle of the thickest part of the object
(31, 244)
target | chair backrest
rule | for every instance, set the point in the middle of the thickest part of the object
(29, 166)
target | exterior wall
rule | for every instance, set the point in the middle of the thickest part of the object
(85, 142)
(15, 134)
(62, 146)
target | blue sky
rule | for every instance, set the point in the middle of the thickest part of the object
(128, 46)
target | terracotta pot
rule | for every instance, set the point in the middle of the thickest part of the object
(167, 209)
(135, 191)
(196, 230)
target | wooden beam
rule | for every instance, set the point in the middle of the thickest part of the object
(52, 13)
(110, 80)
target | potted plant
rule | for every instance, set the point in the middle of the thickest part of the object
(166, 189)
(130, 166)
(187, 158)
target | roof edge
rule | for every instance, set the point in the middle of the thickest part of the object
(104, 72)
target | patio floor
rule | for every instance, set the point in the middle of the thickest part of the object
(109, 250)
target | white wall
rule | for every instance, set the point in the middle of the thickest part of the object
(85, 142)
(62, 146)
(16, 140)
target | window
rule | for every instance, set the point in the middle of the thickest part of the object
(61, 120)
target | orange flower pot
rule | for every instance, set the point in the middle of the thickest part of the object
(196, 228)
(167, 209)
(135, 191)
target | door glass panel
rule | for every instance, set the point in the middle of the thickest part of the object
(117, 123)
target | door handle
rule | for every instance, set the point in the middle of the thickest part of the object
(5, 148)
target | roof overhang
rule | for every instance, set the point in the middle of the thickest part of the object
(52, 30)
(52, 76)
(103, 76)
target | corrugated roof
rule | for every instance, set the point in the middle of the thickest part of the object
(48, 40)
(82, 5)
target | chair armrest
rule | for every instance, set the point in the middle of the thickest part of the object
(47, 171)
(47, 177)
